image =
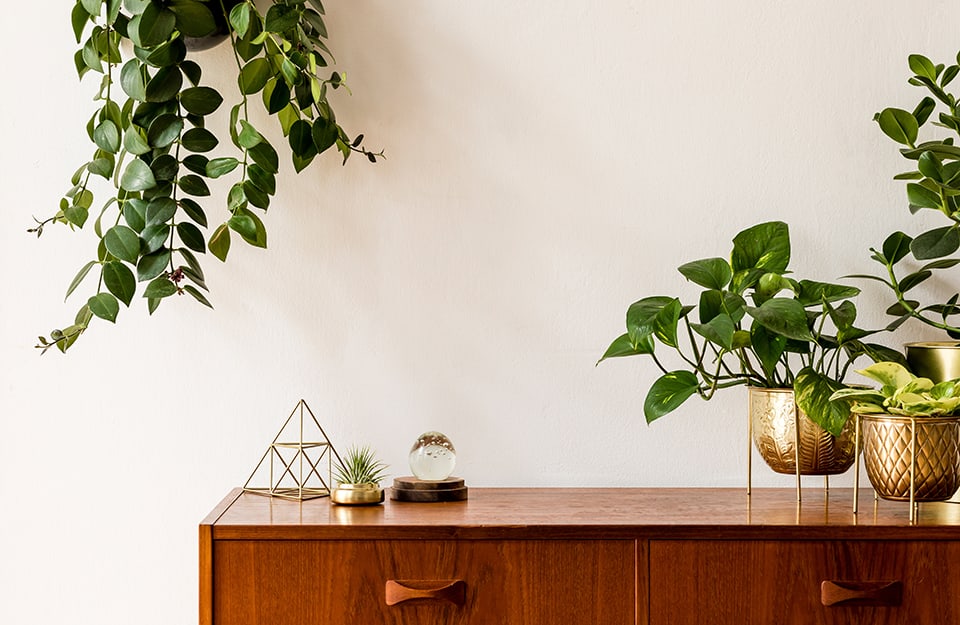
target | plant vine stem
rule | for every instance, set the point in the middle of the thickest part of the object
(913, 312)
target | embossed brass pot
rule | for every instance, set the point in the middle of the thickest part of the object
(938, 361)
(886, 453)
(774, 418)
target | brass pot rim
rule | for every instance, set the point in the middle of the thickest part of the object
(361, 486)
(771, 389)
(895, 418)
(934, 344)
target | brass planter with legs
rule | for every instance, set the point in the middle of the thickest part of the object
(775, 419)
(888, 444)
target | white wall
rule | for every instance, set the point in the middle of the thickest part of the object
(547, 164)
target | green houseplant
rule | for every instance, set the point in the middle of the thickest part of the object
(907, 410)
(932, 184)
(753, 325)
(358, 478)
(156, 147)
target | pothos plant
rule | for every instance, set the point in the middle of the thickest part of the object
(933, 184)
(754, 325)
(145, 187)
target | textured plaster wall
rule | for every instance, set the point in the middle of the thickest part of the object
(547, 164)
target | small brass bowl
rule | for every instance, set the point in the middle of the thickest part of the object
(357, 494)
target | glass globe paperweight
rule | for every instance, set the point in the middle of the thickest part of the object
(433, 457)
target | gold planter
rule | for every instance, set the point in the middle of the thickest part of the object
(887, 441)
(774, 417)
(938, 361)
(357, 494)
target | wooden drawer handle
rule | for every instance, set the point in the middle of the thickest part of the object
(400, 590)
(861, 593)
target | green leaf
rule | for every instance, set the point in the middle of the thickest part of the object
(240, 18)
(264, 180)
(923, 110)
(783, 316)
(197, 295)
(164, 130)
(165, 84)
(254, 75)
(623, 346)
(135, 141)
(199, 140)
(159, 288)
(244, 226)
(656, 315)
(936, 243)
(276, 97)
(79, 278)
(710, 273)
(135, 214)
(122, 243)
(191, 236)
(719, 330)
(265, 156)
(194, 185)
(120, 281)
(221, 166)
(301, 139)
(152, 265)
(899, 125)
(92, 7)
(813, 293)
(325, 134)
(922, 66)
(911, 280)
(668, 393)
(768, 346)
(197, 163)
(160, 210)
(105, 306)
(255, 195)
(137, 176)
(107, 137)
(896, 246)
(764, 246)
(77, 215)
(812, 391)
(220, 242)
(154, 237)
(156, 24)
(78, 19)
(248, 137)
(281, 18)
(922, 197)
(194, 211)
(201, 100)
(890, 374)
(931, 167)
(194, 19)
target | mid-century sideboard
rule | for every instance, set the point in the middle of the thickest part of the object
(590, 556)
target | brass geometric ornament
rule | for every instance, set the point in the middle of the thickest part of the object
(297, 461)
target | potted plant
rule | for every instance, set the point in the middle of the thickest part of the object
(906, 414)
(791, 341)
(932, 184)
(144, 191)
(358, 478)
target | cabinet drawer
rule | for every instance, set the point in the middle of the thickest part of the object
(719, 582)
(527, 582)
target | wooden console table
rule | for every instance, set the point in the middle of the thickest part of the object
(582, 557)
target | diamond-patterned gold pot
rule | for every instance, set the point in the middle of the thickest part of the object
(886, 453)
(774, 416)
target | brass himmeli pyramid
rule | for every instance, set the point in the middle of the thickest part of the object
(298, 464)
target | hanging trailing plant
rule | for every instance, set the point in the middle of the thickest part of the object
(145, 187)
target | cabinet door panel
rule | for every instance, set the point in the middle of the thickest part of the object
(343, 582)
(706, 582)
